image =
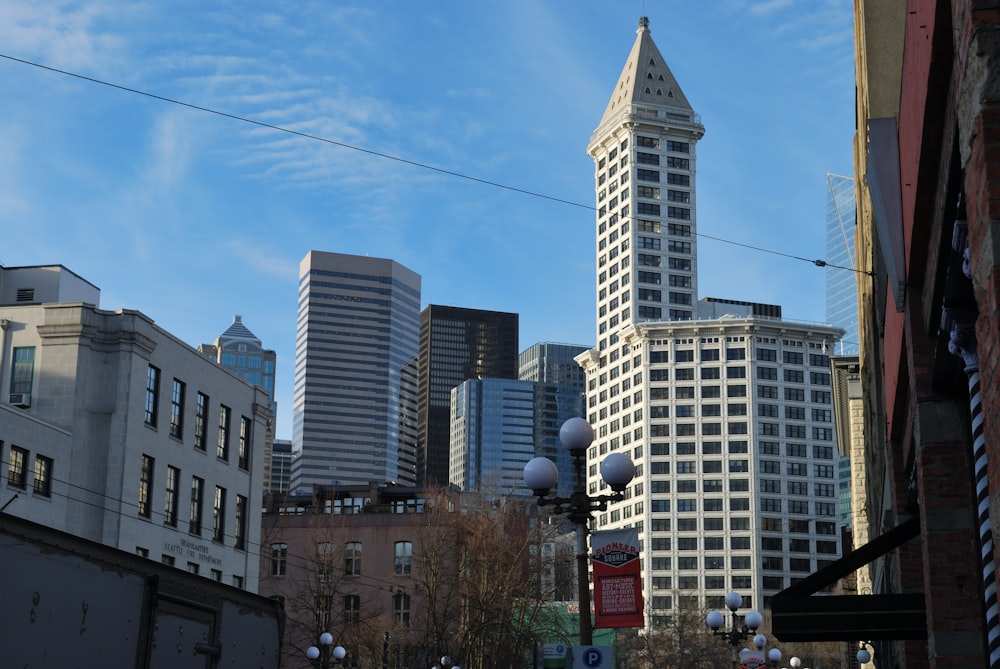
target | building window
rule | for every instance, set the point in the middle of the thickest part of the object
(352, 609)
(404, 558)
(146, 486)
(217, 575)
(17, 468)
(197, 495)
(237, 581)
(820, 396)
(222, 448)
(791, 357)
(43, 476)
(193, 567)
(794, 376)
(767, 373)
(23, 372)
(245, 432)
(819, 378)
(170, 501)
(352, 559)
(167, 560)
(201, 421)
(279, 559)
(152, 395)
(401, 609)
(241, 523)
(773, 563)
(795, 413)
(323, 609)
(822, 433)
(219, 515)
(177, 409)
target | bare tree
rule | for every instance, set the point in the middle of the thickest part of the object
(482, 604)
(675, 641)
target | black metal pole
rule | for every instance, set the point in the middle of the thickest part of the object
(581, 516)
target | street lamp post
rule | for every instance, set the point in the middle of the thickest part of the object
(741, 627)
(321, 655)
(541, 475)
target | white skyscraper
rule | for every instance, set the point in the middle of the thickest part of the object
(725, 408)
(644, 157)
(357, 339)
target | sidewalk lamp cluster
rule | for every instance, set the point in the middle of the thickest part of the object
(541, 475)
(321, 655)
(740, 628)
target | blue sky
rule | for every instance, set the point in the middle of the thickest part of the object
(191, 217)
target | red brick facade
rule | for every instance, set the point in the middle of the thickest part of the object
(918, 359)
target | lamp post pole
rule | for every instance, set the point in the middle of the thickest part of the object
(541, 475)
(321, 655)
(740, 628)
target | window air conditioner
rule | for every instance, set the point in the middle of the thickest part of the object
(22, 400)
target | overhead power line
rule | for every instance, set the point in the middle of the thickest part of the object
(387, 156)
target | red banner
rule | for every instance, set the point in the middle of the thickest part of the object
(617, 580)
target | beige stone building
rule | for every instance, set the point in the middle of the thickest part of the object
(114, 430)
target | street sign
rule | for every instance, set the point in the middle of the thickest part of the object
(592, 657)
(553, 656)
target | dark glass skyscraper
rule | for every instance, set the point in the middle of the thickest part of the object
(456, 344)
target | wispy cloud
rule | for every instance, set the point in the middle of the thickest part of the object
(258, 260)
(769, 7)
(64, 34)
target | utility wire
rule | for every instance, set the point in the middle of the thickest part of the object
(253, 549)
(378, 154)
(378, 583)
(298, 133)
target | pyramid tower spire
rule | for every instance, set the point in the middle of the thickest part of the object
(644, 178)
(645, 80)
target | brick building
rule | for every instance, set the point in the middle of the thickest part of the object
(927, 152)
(401, 575)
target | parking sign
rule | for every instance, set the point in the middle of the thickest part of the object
(592, 657)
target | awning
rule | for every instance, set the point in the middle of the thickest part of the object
(798, 615)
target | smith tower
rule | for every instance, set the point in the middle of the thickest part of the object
(644, 158)
(725, 408)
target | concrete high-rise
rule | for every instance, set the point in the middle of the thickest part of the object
(456, 344)
(725, 408)
(358, 330)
